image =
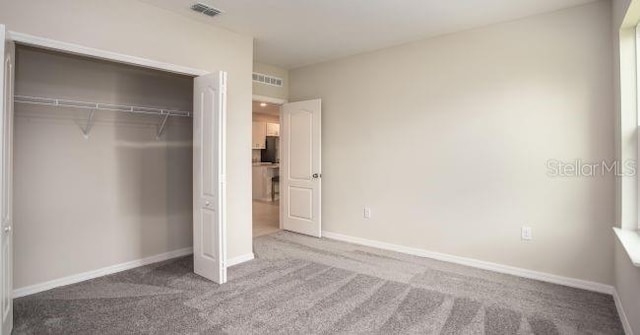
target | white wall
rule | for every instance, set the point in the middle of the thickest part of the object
(266, 118)
(139, 29)
(450, 137)
(269, 90)
(627, 284)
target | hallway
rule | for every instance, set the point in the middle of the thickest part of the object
(265, 217)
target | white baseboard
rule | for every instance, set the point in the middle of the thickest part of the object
(33, 289)
(240, 259)
(623, 316)
(28, 290)
(546, 277)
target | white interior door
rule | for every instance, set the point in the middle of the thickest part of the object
(300, 167)
(6, 180)
(209, 114)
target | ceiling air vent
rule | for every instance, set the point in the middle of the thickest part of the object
(266, 79)
(206, 10)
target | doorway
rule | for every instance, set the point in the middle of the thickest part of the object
(287, 169)
(265, 167)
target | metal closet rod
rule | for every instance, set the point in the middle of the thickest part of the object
(99, 106)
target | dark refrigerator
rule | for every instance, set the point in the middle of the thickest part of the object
(271, 154)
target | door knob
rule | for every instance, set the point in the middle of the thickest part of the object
(316, 176)
(207, 203)
(7, 229)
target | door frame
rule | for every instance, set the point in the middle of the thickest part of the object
(279, 102)
(49, 44)
(75, 49)
(271, 100)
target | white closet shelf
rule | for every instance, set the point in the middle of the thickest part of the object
(44, 101)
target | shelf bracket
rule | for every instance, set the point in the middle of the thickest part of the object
(87, 128)
(162, 125)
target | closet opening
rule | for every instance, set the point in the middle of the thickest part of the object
(103, 167)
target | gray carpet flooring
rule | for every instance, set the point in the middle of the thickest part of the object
(302, 285)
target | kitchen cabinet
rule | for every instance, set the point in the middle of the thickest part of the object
(259, 135)
(261, 182)
(273, 129)
(260, 132)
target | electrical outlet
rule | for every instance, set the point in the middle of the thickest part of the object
(367, 213)
(527, 233)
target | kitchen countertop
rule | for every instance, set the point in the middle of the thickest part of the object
(267, 164)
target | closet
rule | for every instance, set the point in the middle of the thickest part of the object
(104, 166)
(107, 190)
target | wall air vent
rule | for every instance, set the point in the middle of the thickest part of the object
(267, 79)
(206, 10)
